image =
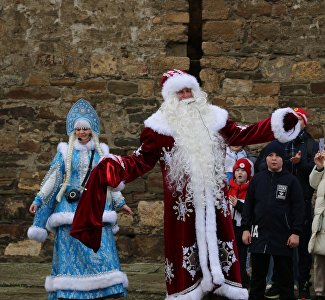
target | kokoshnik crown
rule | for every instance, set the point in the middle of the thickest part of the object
(82, 110)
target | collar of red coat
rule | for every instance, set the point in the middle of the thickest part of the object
(157, 122)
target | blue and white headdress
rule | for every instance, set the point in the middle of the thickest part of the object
(82, 111)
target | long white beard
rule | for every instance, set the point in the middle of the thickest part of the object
(197, 159)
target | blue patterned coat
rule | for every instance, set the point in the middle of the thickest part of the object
(77, 272)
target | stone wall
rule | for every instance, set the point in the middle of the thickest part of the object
(255, 56)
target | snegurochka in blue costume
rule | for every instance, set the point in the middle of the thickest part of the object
(77, 271)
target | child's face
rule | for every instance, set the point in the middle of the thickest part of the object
(236, 148)
(274, 162)
(240, 176)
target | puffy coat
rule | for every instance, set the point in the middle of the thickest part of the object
(273, 210)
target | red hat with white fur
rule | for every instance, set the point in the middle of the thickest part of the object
(245, 164)
(301, 112)
(176, 80)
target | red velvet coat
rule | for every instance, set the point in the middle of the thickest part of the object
(185, 228)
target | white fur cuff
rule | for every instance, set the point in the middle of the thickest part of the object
(37, 234)
(119, 188)
(277, 126)
(85, 282)
(232, 292)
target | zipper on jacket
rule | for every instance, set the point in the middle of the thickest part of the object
(285, 216)
(265, 248)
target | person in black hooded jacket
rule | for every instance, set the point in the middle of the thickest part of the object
(274, 212)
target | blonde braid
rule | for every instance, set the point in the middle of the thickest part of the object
(68, 168)
(97, 145)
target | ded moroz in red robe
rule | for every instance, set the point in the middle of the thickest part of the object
(200, 248)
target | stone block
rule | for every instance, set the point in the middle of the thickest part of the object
(221, 62)
(13, 209)
(178, 17)
(151, 213)
(155, 183)
(180, 5)
(29, 181)
(92, 85)
(163, 63)
(10, 80)
(249, 64)
(103, 64)
(236, 86)
(211, 49)
(146, 88)
(37, 79)
(31, 145)
(210, 80)
(277, 69)
(122, 87)
(294, 89)
(307, 70)
(279, 9)
(215, 10)
(251, 9)
(44, 93)
(63, 81)
(148, 247)
(137, 185)
(266, 89)
(23, 248)
(228, 31)
(14, 231)
(317, 87)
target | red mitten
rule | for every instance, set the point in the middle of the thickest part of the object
(289, 121)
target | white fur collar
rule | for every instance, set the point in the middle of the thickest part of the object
(89, 146)
(216, 120)
(63, 148)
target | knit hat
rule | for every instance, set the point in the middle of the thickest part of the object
(176, 80)
(275, 147)
(245, 164)
(302, 113)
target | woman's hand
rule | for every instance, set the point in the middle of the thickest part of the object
(319, 159)
(32, 209)
(127, 210)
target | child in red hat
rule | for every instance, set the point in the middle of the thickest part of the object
(238, 186)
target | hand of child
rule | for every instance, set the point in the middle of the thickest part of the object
(233, 200)
(293, 241)
(296, 159)
(246, 237)
(32, 209)
(127, 210)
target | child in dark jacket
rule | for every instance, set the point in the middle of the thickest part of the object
(238, 187)
(274, 212)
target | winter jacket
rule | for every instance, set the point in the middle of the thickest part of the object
(273, 210)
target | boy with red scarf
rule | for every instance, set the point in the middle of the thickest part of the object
(238, 187)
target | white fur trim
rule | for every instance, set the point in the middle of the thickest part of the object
(194, 294)
(206, 283)
(119, 188)
(66, 218)
(84, 147)
(277, 125)
(104, 148)
(115, 229)
(63, 149)
(178, 82)
(232, 292)
(216, 120)
(211, 235)
(85, 283)
(37, 234)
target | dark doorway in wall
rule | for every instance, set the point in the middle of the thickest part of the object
(194, 45)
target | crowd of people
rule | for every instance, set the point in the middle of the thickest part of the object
(222, 221)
